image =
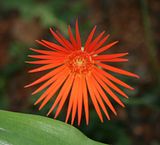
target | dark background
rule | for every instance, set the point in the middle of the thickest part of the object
(135, 23)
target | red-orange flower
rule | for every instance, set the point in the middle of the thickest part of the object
(79, 72)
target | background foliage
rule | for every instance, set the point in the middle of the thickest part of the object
(134, 23)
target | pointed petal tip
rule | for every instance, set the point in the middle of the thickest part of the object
(77, 20)
(39, 107)
(37, 41)
(26, 61)
(101, 120)
(51, 29)
(137, 76)
(31, 48)
(36, 104)
(34, 93)
(26, 86)
(115, 113)
(29, 71)
(66, 121)
(79, 123)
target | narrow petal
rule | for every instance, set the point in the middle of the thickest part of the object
(55, 46)
(103, 95)
(47, 76)
(58, 39)
(105, 47)
(109, 56)
(90, 48)
(117, 70)
(78, 38)
(72, 96)
(45, 45)
(48, 52)
(90, 37)
(75, 105)
(85, 99)
(114, 79)
(79, 99)
(45, 61)
(52, 47)
(93, 98)
(62, 96)
(115, 60)
(50, 81)
(109, 83)
(45, 67)
(45, 57)
(52, 90)
(100, 43)
(98, 97)
(72, 39)
(109, 91)
(67, 43)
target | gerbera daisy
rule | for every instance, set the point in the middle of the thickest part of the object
(79, 72)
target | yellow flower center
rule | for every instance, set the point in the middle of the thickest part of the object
(79, 62)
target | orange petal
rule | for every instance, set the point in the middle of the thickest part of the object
(100, 43)
(72, 96)
(93, 98)
(55, 46)
(115, 60)
(94, 42)
(98, 97)
(85, 99)
(47, 76)
(46, 84)
(72, 39)
(48, 45)
(79, 99)
(103, 95)
(62, 96)
(117, 70)
(109, 56)
(78, 38)
(45, 67)
(75, 105)
(52, 90)
(67, 43)
(90, 37)
(114, 79)
(58, 38)
(50, 81)
(109, 83)
(45, 61)
(108, 90)
(105, 47)
(47, 52)
(49, 57)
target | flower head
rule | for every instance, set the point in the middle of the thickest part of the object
(79, 73)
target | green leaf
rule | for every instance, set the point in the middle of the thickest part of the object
(26, 129)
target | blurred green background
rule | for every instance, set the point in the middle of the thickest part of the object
(135, 23)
